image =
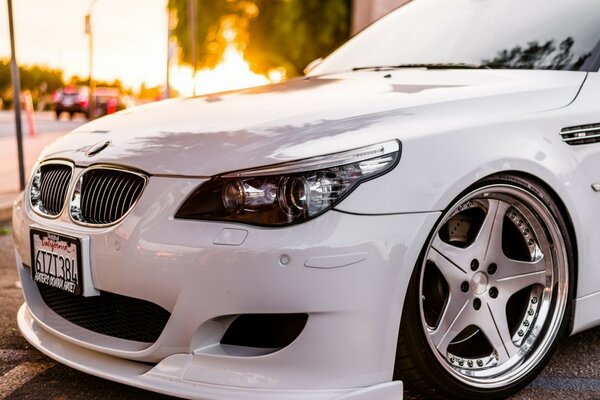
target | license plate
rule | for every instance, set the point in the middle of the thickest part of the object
(56, 260)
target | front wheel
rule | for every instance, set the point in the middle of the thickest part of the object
(490, 296)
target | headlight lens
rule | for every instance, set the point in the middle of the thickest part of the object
(288, 193)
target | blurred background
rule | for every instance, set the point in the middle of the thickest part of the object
(138, 43)
(82, 59)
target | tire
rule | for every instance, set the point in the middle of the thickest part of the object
(71, 115)
(490, 296)
(57, 113)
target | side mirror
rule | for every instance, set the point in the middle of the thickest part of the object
(312, 65)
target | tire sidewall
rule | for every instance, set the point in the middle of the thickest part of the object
(413, 333)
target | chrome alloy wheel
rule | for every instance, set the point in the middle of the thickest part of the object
(493, 286)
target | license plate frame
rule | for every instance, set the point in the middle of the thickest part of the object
(45, 262)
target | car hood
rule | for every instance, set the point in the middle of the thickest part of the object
(213, 134)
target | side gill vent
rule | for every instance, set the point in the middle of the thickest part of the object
(584, 134)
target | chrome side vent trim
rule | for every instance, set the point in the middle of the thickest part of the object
(104, 195)
(584, 134)
(49, 187)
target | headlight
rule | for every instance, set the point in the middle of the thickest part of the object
(288, 193)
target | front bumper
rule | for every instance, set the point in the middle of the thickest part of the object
(165, 377)
(347, 272)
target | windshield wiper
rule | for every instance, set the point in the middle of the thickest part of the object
(428, 66)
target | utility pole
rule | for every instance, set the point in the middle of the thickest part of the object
(92, 84)
(170, 26)
(16, 80)
(192, 23)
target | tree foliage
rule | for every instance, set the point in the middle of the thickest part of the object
(32, 77)
(272, 33)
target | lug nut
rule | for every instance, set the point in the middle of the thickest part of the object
(480, 363)
(534, 300)
(521, 333)
(493, 292)
(492, 268)
(464, 287)
(474, 265)
(470, 364)
(476, 304)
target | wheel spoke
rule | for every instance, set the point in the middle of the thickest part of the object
(513, 275)
(489, 239)
(452, 271)
(494, 325)
(455, 317)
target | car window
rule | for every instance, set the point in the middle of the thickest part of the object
(532, 34)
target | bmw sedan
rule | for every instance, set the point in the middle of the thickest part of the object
(419, 211)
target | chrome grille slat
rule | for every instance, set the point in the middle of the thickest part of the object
(126, 200)
(44, 187)
(94, 216)
(100, 196)
(124, 204)
(47, 190)
(93, 189)
(59, 192)
(54, 179)
(112, 213)
(86, 197)
(110, 195)
(106, 195)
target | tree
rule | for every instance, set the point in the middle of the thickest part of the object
(32, 77)
(39, 80)
(272, 33)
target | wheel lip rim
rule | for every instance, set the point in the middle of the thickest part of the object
(560, 283)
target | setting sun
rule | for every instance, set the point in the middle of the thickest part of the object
(232, 72)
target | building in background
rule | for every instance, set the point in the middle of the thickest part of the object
(367, 11)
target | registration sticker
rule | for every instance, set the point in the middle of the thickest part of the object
(56, 260)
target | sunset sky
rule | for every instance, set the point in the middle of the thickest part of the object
(130, 37)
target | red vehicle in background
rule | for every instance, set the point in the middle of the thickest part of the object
(71, 99)
(74, 100)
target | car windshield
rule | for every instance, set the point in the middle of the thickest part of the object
(507, 34)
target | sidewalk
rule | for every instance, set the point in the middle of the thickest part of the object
(9, 167)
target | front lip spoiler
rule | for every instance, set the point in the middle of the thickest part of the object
(165, 377)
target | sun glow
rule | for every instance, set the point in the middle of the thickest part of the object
(232, 72)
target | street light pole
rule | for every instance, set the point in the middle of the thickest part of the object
(16, 80)
(192, 23)
(169, 33)
(92, 84)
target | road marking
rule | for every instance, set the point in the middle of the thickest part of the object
(20, 375)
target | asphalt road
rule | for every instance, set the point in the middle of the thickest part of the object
(45, 122)
(27, 374)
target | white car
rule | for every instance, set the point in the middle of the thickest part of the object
(420, 210)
